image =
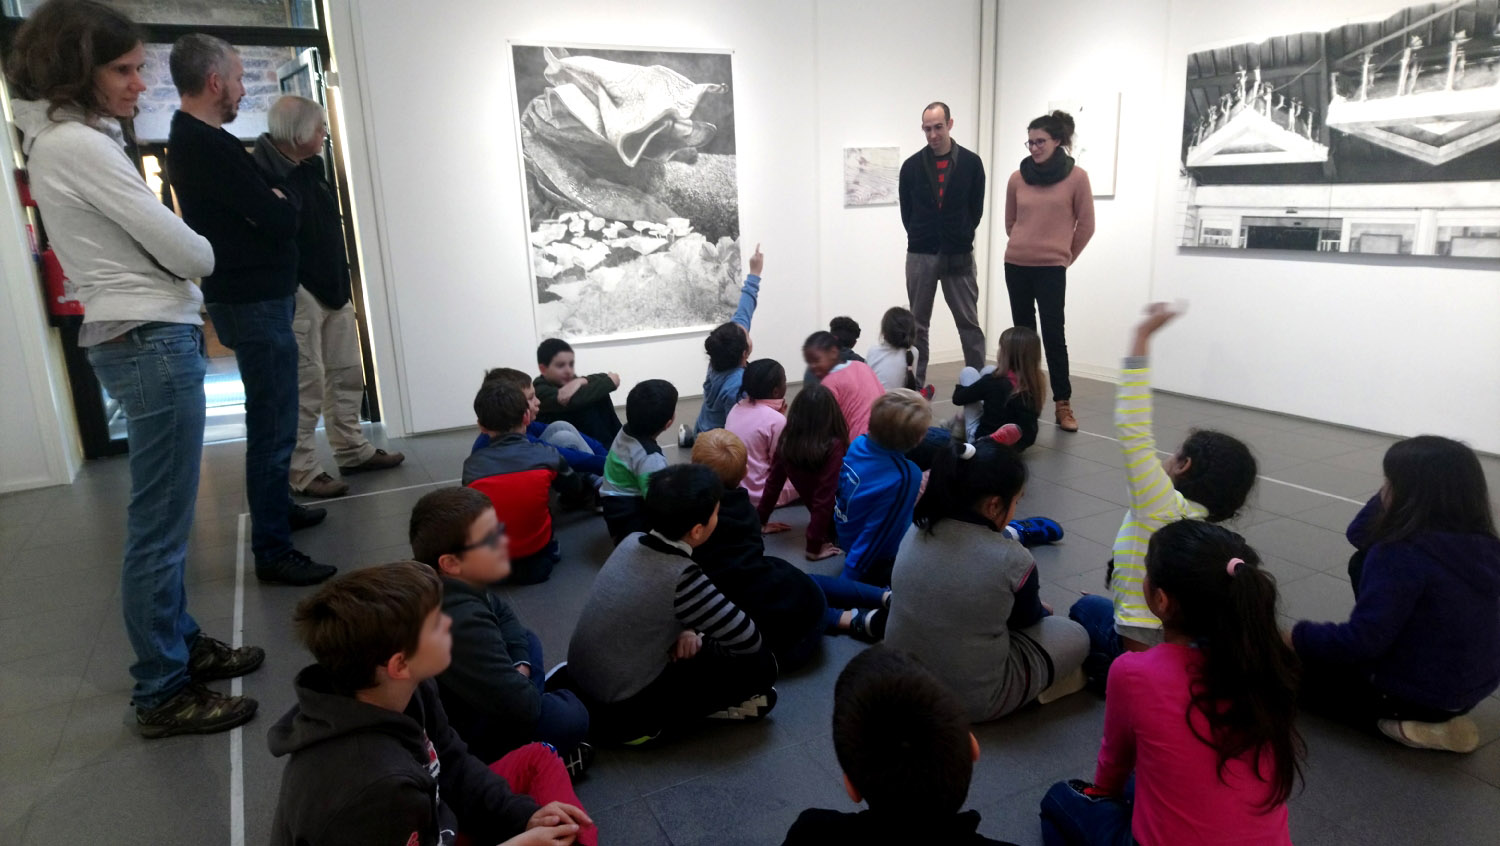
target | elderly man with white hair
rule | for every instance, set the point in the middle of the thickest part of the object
(330, 378)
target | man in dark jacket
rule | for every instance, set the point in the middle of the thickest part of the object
(251, 226)
(942, 200)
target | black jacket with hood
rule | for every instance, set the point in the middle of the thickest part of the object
(322, 262)
(361, 775)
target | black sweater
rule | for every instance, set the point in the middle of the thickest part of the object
(489, 703)
(1001, 406)
(226, 199)
(322, 262)
(817, 827)
(948, 230)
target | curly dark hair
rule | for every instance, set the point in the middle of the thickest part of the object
(726, 346)
(1220, 474)
(60, 46)
(846, 330)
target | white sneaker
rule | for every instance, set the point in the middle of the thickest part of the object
(1459, 734)
(683, 440)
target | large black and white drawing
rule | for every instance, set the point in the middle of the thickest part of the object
(631, 197)
(1372, 137)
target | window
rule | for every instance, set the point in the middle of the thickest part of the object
(287, 13)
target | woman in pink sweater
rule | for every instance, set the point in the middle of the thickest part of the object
(1204, 720)
(1049, 216)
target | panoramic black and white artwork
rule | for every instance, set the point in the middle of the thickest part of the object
(1378, 136)
(631, 197)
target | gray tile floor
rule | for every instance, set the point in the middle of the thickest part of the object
(72, 771)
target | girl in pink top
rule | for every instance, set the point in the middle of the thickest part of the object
(757, 419)
(1204, 720)
(853, 383)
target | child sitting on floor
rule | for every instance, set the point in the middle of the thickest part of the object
(1204, 720)
(891, 357)
(965, 596)
(1422, 646)
(372, 757)
(518, 476)
(1006, 398)
(583, 453)
(728, 347)
(635, 455)
(785, 604)
(810, 455)
(854, 385)
(583, 401)
(658, 647)
(493, 690)
(758, 420)
(905, 747)
(847, 332)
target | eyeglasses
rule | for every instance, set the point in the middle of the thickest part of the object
(491, 539)
(1036, 142)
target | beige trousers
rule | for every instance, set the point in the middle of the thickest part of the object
(330, 382)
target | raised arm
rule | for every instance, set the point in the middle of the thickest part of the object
(750, 291)
(1150, 486)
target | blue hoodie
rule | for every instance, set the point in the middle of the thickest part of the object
(877, 491)
(721, 388)
(1426, 621)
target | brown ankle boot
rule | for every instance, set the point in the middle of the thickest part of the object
(1065, 419)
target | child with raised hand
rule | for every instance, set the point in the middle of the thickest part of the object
(1422, 646)
(905, 747)
(583, 401)
(1208, 478)
(1005, 398)
(854, 385)
(810, 455)
(728, 347)
(1204, 720)
(758, 420)
(891, 357)
(965, 595)
(650, 409)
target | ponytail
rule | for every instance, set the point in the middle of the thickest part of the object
(962, 475)
(1058, 124)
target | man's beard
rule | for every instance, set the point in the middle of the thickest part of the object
(229, 109)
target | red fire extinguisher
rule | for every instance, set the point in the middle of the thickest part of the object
(62, 298)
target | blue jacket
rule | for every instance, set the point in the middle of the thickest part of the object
(1426, 620)
(877, 491)
(721, 388)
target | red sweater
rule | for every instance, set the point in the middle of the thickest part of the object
(1048, 225)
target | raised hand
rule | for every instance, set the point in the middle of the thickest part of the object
(757, 261)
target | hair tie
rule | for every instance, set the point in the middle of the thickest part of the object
(967, 452)
(1234, 564)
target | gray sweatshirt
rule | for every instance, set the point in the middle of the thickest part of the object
(130, 257)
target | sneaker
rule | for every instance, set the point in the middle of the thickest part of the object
(754, 708)
(195, 710)
(1009, 434)
(642, 740)
(578, 760)
(1459, 734)
(869, 626)
(1036, 531)
(381, 460)
(928, 392)
(684, 437)
(1065, 419)
(293, 568)
(1065, 686)
(211, 660)
(324, 486)
(302, 517)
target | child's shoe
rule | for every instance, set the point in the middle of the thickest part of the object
(869, 626)
(1459, 734)
(578, 760)
(928, 392)
(1009, 434)
(754, 708)
(1035, 531)
(684, 438)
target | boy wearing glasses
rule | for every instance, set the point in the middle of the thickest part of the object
(494, 690)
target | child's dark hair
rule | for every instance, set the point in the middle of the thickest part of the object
(899, 327)
(440, 522)
(814, 425)
(958, 484)
(1058, 124)
(548, 350)
(1021, 353)
(510, 376)
(1246, 686)
(500, 406)
(680, 497)
(356, 622)
(846, 330)
(821, 341)
(1436, 485)
(726, 346)
(1221, 473)
(649, 407)
(901, 737)
(764, 379)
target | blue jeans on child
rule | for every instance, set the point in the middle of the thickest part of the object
(564, 721)
(1070, 818)
(1097, 616)
(534, 568)
(155, 372)
(265, 348)
(843, 594)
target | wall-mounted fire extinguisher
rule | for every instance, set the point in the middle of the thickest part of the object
(62, 297)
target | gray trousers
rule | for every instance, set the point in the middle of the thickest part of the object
(960, 290)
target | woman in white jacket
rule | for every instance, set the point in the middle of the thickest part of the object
(76, 71)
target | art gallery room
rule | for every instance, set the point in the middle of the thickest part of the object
(1221, 303)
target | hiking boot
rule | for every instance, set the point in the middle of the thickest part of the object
(1459, 734)
(1009, 434)
(578, 760)
(293, 568)
(211, 660)
(302, 517)
(195, 710)
(752, 709)
(381, 460)
(324, 486)
(1065, 419)
(1036, 531)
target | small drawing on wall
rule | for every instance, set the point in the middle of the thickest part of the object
(1096, 118)
(628, 160)
(871, 175)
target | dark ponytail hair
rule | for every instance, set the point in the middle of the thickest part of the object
(1436, 485)
(725, 346)
(957, 484)
(764, 379)
(1246, 687)
(1058, 124)
(1221, 473)
(814, 426)
(899, 327)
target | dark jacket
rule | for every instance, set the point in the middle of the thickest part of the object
(322, 263)
(226, 199)
(785, 604)
(1001, 406)
(1426, 620)
(489, 703)
(518, 476)
(360, 774)
(818, 827)
(948, 230)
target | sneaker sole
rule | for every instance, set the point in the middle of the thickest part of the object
(321, 494)
(1457, 735)
(754, 708)
(354, 471)
(305, 581)
(153, 732)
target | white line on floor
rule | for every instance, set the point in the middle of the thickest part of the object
(309, 501)
(237, 736)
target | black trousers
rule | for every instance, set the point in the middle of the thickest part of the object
(1043, 289)
(1344, 693)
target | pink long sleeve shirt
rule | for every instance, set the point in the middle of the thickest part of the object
(1048, 225)
(856, 388)
(758, 423)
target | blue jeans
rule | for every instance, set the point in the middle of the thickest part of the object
(1097, 616)
(265, 348)
(844, 593)
(564, 721)
(156, 372)
(1069, 818)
